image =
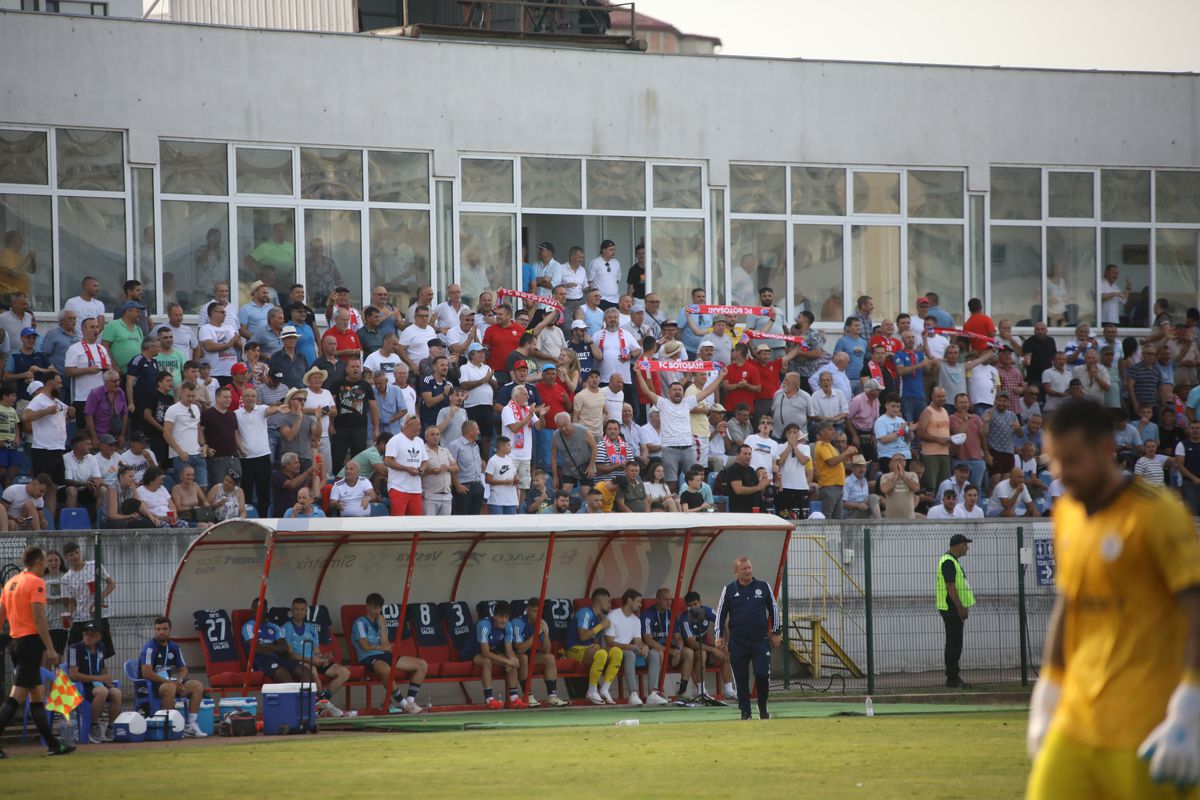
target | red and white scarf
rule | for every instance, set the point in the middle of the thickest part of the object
(92, 359)
(783, 337)
(617, 453)
(991, 340)
(753, 311)
(622, 349)
(518, 436)
(529, 297)
(679, 366)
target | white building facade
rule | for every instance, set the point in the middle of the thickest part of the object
(182, 155)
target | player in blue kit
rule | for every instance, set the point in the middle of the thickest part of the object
(695, 625)
(370, 636)
(523, 638)
(656, 624)
(298, 631)
(747, 627)
(492, 647)
(273, 657)
(162, 664)
(585, 644)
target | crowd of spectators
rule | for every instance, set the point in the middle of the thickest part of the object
(563, 400)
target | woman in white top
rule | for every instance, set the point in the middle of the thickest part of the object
(158, 500)
(320, 405)
(659, 496)
(227, 498)
(794, 463)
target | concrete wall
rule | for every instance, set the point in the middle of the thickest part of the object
(169, 79)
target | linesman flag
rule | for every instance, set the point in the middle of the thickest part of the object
(64, 697)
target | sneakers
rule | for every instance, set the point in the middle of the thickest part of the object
(635, 700)
(192, 731)
(764, 715)
(63, 749)
(656, 699)
(689, 697)
(957, 683)
(746, 716)
(594, 697)
(95, 736)
(109, 735)
(532, 702)
(730, 690)
(607, 698)
(557, 702)
(517, 703)
(409, 705)
(327, 709)
(493, 704)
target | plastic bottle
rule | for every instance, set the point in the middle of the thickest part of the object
(870, 707)
(628, 723)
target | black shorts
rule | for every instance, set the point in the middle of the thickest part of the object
(482, 416)
(26, 653)
(49, 462)
(267, 663)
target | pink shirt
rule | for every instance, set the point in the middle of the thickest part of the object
(863, 412)
(972, 448)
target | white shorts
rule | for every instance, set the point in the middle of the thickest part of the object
(523, 474)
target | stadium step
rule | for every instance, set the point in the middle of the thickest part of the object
(815, 648)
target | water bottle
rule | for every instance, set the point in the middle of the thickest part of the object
(628, 723)
(870, 708)
(351, 714)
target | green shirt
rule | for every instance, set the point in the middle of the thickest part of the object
(275, 254)
(8, 425)
(122, 342)
(170, 362)
(366, 461)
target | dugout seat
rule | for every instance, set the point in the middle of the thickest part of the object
(224, 661)
(144, 699)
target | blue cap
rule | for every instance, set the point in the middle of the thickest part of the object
(29, 332)
(473, 346)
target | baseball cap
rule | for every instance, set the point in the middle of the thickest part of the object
(288, 332)
(924, 300)
(340, 289)
(473, 347)
(107, 439)
(958, 538)
(718, 408)
(520, 363)
(1075, 382)
(549, 365)
(137, 436)
(436, 343)
(638, 306)
(238, 369)
(873, 384)
(607, 243)
(34, 387)
(90, 627)
(577, 324)
(277, 375)
(707, 343)
(669, 323)
(28, 332)
(546, 246)
(128, 304)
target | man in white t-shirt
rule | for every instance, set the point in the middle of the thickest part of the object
(1112, 296)
(405, 458)
(47, 417)
(80, 582)
(675, 425)
(86, 362)
(615, 348)
(86, 305)
(83, 481)
(945, 509)
(352, 495)
(23, 506)
(614, 397)
(254, 445)
(219, 340)
(184, 436)
(109, 460)
(982, 383)
(625, 631)
(500, 479)
(969, 507)
(604, 273)
(413, 342)
(518, 420)
(185, 337)
(549, 271)
(139, 456)
(386, 358)
(763, 448)
(1011, 498)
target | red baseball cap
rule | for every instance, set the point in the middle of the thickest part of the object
(238, 369)
(521, 364)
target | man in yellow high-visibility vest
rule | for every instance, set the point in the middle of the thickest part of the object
(954, 599)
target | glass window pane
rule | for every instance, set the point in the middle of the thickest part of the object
(27, 260)
(400, 253)
(1125, 195)
(976, 287)
(551, 183)
(875, 263)
(817, 254)
(1176, 269)
(195, 249)
(1016, 289)
(1128, 249)
(1072, 195)
(398, 177)
(193, 167)
(144, 232)
(486, 252)
(676, 260)
(1016, 193)
(935, 194)
(1070, 276)
(758, 257)
(24, 157)
(487, 180)
(332, 255)
(445, 233)
(677, 186)
(716, 203)
(616, 185)
(819, 190)
(935, 264)
(1176, 196)
(329, 174)
(876, 193)
(757, 189)
(90, 160)
(264, 171)
(267, 248)
(91, 238)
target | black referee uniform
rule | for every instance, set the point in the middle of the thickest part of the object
(746, 616)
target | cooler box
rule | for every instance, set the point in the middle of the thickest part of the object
(173, 723)
(156, 729)
(282, 709)
(129, 726)
(206, 719)
(230, 704)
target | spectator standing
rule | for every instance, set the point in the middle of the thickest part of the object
(219, 342)
(863, 410)
(501, 339)
(742, 380)
(588, 405)
(604, 273)
(891, 435)
(1187, 462)
(572, 454)
(518, 420)
(1039, 350)
(1144, 380)
(390, 400)
(220, 424)
(854, 344)
(899, 488)
(86, 362)
(123, 336)
(828, 405)
(46, 417)
(1011, 378)
(933, 430)
(1092, 377)
(370, 335)
(58, 340)
(971, 451)
(467, 479)
(252, 317)
(86, 304)
(355, 406)
(435, 391)
(168, 357)
(1056, 382)
(790, 404)
(288, 359)
(793, 462)
(346, 342)
(678, 444)
(978, 323)
(106, 411)
(1112, 297)
(1000, 429)
(406, 458)
(23, 360)
(693, 327)
(500, 474)
(982, 380)
(830, 470)
(184, 436)
(910, 366)
(385, 359)
(14, 320)
(319, 403)
(438, 476)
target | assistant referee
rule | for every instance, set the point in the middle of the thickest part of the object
(748, 626)
(23, 607)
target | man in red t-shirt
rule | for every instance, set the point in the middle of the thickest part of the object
(979, 323)
(886, 337)
(501, 339)
(347, 340)
(556, 397)
(768, 377)
(742, 381)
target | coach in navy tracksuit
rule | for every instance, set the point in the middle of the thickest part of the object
(748, 626)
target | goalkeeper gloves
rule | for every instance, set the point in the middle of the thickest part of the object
(1173, 748)
(1042, 705)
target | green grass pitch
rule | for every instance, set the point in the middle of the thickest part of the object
(952, 755)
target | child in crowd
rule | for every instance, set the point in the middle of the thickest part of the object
(10, 434)
(501, 477)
